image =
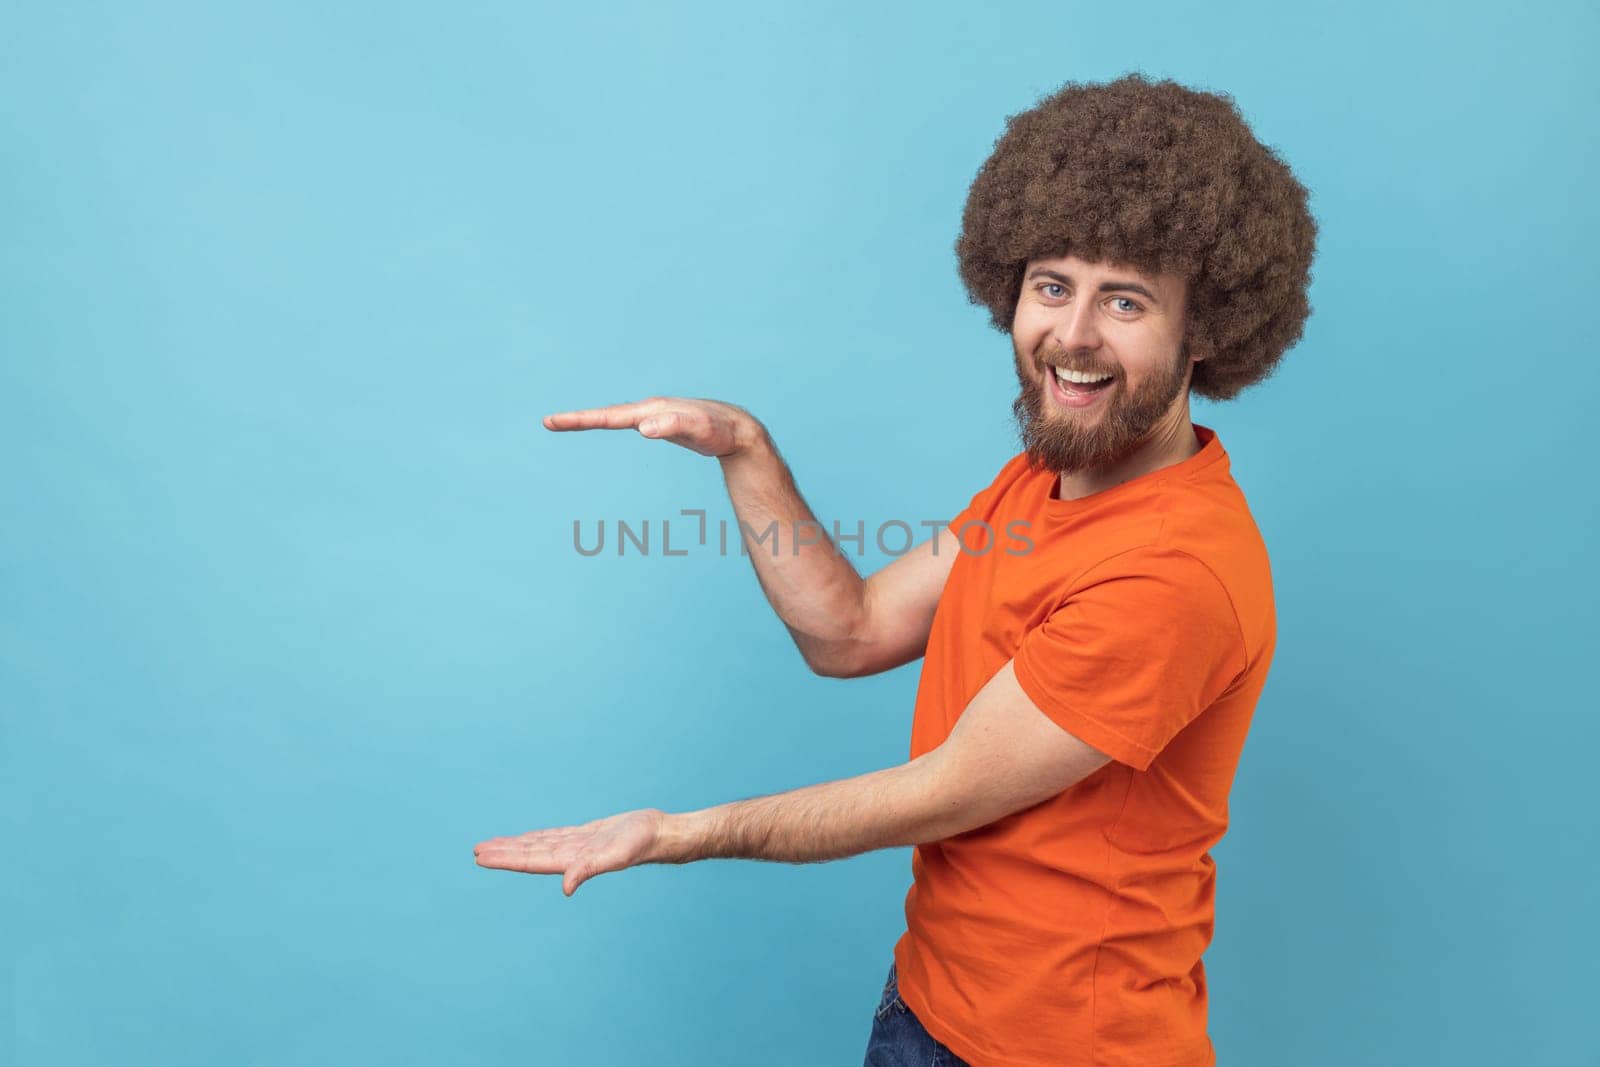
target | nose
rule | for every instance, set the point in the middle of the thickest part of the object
(1075, 329)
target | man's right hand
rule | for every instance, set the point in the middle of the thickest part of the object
(709, 427)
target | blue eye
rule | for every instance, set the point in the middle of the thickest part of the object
(1056, 291)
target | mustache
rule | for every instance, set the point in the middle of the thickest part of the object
(1066, 362)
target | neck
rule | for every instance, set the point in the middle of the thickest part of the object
(1171, 441)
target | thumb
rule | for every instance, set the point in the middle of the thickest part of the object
(583, 870)
(574, 877)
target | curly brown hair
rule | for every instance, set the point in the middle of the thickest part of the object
(1161, 178)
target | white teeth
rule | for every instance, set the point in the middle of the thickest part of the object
(1079, 377)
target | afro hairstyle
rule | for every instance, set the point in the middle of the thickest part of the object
(1163, 179)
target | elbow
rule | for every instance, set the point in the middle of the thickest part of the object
(829, 664)
(843, 658)
(847, 654)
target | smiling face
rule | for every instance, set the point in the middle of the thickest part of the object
(1121, 326)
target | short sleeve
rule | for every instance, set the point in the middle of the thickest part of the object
(1131, 658)
(974, 508)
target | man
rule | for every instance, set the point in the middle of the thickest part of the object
(1094, 642)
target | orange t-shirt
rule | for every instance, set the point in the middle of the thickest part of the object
(1141, 621)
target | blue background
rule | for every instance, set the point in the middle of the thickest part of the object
(292, 615)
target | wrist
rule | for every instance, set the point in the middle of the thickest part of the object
(677, 838)
(750, 441)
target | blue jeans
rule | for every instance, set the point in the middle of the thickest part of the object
(898, 1039)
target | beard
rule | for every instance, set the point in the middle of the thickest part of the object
(1063, 440)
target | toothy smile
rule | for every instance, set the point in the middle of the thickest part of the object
(1077, 377)
(1079, 389)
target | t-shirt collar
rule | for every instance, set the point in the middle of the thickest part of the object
(1211, 451)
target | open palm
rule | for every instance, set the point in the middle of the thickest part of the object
(578, 853)
(709, 427)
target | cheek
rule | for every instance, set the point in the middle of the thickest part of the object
(1028, 330)
(1145, 364)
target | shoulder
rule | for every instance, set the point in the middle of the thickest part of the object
(1163, 572)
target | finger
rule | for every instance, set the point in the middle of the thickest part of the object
(490, 843)
(611, 417)
(527, 838)
(539, 843)
(497, 842)
(680, 426)
(554, 836)
(580, 872)
(616, 856)
(661, 424)
(534, 860)
(502, 860)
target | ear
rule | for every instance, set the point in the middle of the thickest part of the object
(1198, 348)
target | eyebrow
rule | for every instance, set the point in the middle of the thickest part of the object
(1105, 287)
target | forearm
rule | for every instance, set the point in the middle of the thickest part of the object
(892, 807)
(812, 586)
